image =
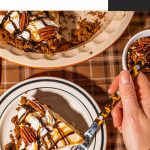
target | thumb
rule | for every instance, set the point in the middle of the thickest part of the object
(128, 94)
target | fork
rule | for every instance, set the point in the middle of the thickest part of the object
(106, 111)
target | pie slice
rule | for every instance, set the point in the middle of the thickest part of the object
(38, 127)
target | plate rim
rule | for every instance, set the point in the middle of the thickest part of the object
(15, 59)
(62, 81)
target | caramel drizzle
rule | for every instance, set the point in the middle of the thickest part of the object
(65, 137)
(62, 135)
(49, 137)
(53, 143)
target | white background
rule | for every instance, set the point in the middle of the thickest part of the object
(53, 4)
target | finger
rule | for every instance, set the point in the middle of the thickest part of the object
(128, 94)
(117, 115)
(114, 86)
(143, 84)
(143, 93)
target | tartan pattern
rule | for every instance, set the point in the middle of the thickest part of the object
(94, 75)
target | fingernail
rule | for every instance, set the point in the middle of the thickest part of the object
(125, 77)
(109, 91)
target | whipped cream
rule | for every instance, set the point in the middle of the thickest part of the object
(32, 146)
(33, 121)
(22, 146)
(43, 131)
(48, 119)
(21, 112)
(25, 34)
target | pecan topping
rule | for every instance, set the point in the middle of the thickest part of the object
(140, 51)
(24, 20)
(27, 135)
(47, 32)
(36, 106)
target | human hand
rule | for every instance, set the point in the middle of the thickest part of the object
(132, 114)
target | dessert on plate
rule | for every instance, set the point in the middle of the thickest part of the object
(38, 127)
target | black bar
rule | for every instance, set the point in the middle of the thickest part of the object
(135, 5)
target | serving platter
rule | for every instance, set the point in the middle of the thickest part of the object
(113, 25)
(64, 97)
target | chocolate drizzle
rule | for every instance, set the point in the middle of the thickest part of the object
(52, 147)
(8, 18)
(21, 119)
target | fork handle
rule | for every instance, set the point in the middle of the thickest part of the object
(111, 103)
(102, 116)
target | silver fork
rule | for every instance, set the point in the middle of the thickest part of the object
(105, 112)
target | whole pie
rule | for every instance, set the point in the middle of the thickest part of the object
(37, 127)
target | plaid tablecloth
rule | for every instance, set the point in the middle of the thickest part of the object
(94, 75)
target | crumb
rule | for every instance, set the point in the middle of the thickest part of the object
(23, 100)
(14, 120)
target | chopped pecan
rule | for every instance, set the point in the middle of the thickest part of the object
(27, 134)
(24, 20)
(140, 51)
(36, 106)
(23, 100)
(47, 32)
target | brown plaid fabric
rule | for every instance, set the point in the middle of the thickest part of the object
(94, 75)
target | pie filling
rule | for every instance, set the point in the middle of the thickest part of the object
(38, 127)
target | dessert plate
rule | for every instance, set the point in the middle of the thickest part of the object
(64, 97)
(112, 26)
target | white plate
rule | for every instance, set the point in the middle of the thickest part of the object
(113, 26)
(66, 98)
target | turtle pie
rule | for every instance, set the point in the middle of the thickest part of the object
(37, 127)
